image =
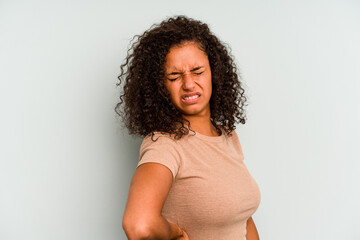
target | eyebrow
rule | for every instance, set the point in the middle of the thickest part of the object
(192, 70)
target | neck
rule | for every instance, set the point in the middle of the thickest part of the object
(202, 125)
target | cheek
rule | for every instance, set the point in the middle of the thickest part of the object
(208, 84)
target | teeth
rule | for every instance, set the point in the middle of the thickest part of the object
(192, 97)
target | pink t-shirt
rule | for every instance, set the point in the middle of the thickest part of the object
(213, 193)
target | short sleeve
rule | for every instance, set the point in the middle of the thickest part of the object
(164, 151)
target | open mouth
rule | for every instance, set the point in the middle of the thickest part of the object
(190, 98)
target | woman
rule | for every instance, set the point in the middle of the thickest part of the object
(182, 93)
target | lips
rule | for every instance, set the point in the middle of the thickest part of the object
(191, 98)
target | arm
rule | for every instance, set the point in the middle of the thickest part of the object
(142, 219)
(251, 232)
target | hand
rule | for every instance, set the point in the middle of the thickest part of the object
(177, 233)
(184, 236)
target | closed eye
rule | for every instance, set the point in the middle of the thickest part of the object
(193, 71)
(172, 79)
(198, 73)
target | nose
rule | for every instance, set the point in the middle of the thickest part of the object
(188, 82)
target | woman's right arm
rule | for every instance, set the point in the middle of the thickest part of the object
(142, 219)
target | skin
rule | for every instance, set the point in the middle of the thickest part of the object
(187, 73)
(142, 217)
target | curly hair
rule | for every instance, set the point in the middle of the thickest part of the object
(145, 106)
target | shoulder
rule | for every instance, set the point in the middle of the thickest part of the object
(229, 136)
(161, 148)
(235, 141)
(161, 143)
(158, 139)
(234, 135)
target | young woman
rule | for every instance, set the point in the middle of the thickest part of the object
(183, 95)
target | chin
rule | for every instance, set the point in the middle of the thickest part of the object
(194, 110)
(193, 113)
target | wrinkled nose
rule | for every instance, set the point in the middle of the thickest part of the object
(188, 82)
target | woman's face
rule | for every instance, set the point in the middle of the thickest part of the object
(188, 79)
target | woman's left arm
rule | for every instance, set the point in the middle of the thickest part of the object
(251, 232)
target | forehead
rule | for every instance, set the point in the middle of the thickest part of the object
(186, 55)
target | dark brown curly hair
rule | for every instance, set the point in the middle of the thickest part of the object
(145, 105)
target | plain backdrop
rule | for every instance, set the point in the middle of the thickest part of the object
(66, 162)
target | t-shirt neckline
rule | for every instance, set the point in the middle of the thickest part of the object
(210, 138)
